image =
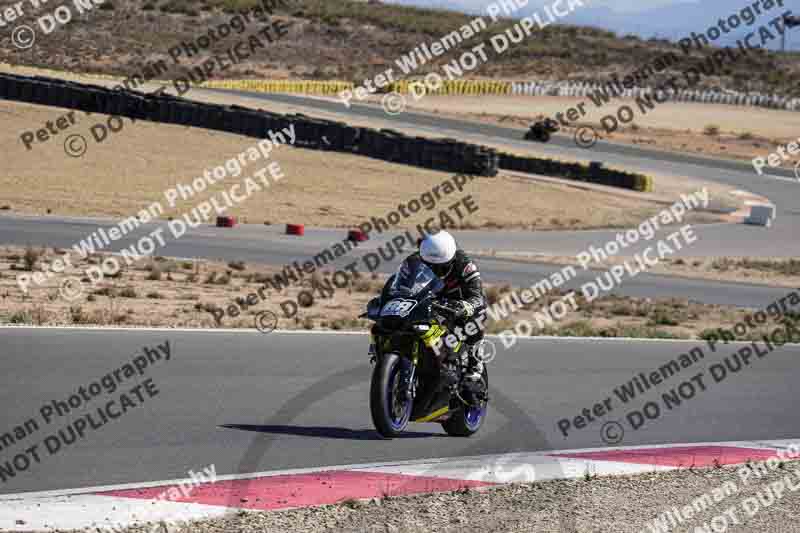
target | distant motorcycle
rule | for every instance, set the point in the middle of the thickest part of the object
(410, 382)
(541, 130)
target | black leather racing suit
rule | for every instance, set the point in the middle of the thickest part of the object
(463, 282)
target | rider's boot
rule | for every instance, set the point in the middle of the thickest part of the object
(472, 360)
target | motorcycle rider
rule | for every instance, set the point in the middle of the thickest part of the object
(464, 292)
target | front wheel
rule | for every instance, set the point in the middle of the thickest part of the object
(466, 420)
(388, 402)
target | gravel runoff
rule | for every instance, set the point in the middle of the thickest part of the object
(596, 504)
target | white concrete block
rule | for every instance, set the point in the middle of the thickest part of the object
(761, 215)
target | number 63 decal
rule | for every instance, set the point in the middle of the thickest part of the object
(398, 307)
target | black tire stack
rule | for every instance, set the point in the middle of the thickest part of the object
(318, 134)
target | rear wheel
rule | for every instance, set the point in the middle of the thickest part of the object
(466, 420)
(390, 408)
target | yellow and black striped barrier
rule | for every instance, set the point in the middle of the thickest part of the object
(281, 86)
(444, 87)
(453, 87)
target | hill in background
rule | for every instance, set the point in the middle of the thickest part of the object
(346, 40)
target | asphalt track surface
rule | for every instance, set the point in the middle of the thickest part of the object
(301, 400)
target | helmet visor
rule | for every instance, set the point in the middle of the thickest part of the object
(441, 269)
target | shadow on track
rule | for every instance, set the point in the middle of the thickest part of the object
(326, 432)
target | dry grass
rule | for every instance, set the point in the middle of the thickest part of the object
(164, 292)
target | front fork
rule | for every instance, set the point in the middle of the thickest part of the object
(407, 388)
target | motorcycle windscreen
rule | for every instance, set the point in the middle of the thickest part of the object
(412, 277)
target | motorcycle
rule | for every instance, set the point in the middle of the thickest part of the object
(412, 381)
(541, 130)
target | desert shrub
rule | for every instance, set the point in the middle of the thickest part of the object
(128, 292)
(31, 257)
(182, 7)
(77, 316)
(237, 265)
(363, 285)
(20, 317)
(105, 291)
(662, 317)
(623, 309)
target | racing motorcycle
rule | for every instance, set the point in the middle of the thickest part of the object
(541, 130)
(411, 382)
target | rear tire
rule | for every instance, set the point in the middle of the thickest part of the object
(381, 396)
(466, 421)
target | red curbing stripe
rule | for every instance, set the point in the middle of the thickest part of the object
(300, 490)
(679, 456)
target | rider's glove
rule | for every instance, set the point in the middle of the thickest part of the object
(465, 309)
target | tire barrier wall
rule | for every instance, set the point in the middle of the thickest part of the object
(439, 154)
(584, 89)
(592, 173)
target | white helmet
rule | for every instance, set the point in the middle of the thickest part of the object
(438, 251)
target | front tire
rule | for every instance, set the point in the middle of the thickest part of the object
(390, 415)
